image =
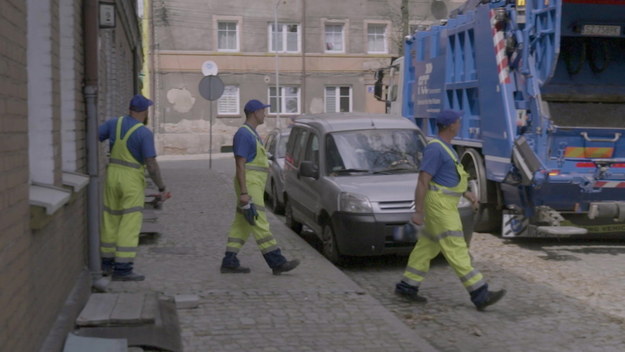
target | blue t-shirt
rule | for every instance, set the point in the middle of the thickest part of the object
(244, 143)
(438, 163)
(141, 142)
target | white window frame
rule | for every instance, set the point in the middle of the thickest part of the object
(284, 34)
(282, 100)
(42, 165)
(371, 24)
(237, 20)
(40, 110)
(337, 98)
(344, 35)
(233, 93)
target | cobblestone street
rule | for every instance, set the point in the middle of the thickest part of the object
(563, 295)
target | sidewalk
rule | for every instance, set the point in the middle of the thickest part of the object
(312, 308)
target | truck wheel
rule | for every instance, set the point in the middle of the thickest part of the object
(289, 220)
(488, 217)
(330, 249)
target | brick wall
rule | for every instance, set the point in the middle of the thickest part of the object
(43, 256)
(14, 212)
(38, 267)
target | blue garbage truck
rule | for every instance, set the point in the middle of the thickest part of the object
(541, 84)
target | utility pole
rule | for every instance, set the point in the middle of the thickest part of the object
(275, 45)
(404, 24)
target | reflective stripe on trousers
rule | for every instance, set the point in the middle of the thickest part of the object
(454, 250)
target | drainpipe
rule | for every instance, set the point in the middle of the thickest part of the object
(303, 20)
(90, 92)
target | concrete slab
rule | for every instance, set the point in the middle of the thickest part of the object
(114, 309)
(187, 301)
(128, 309)
(98, 309)
(150, 227)
(149, 215)
(75, 343)
(164, 334)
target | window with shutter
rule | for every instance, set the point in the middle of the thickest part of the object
(228, 104)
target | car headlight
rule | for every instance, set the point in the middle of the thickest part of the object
(354, 203)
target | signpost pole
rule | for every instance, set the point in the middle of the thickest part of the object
(211, 88)
(210, 136)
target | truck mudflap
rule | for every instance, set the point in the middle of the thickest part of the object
(572, 225)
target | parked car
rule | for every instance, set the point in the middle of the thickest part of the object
(275, 144)
(351, 177)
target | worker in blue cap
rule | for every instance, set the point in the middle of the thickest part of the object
(252, 166)
(132, 150)
(442, 181)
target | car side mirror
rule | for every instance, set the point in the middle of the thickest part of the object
(309, 169)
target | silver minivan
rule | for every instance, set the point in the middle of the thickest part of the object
(351, 177)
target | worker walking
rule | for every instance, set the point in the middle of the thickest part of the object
(442, 181)
(252, 167)
(132, 147)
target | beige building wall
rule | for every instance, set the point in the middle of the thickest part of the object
(185, 34)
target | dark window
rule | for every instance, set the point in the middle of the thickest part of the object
(296, 145)
(312, 150)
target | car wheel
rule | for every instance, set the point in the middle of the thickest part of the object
(288, 218)
(330, 249)
(276, 207)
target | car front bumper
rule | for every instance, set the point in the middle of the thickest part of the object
(372, 234)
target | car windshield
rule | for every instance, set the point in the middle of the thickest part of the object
(373, 151)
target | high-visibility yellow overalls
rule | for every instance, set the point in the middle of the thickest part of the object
(255, 179)
(443, 232)
(123, 201)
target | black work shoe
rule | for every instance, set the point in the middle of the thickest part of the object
(131, 276)
(107, 270)
(237, 270)
(411, 296)
(287, 266)
(492, 298)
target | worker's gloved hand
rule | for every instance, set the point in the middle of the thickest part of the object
(407, 233)
(249, 212)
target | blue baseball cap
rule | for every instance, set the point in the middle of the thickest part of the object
(447, 117)
(140, 103)
(254, 105)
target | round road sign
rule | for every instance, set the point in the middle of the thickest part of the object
(211, 87)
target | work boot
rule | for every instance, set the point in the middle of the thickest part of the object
(131, 276)
(287, 266)
(411, 296)
(409, 292)
(492, 298)
(107, 266)
(234, 270)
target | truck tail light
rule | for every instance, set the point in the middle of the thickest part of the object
(585, 164)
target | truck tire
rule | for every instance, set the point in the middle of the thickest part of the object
(488, 217)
